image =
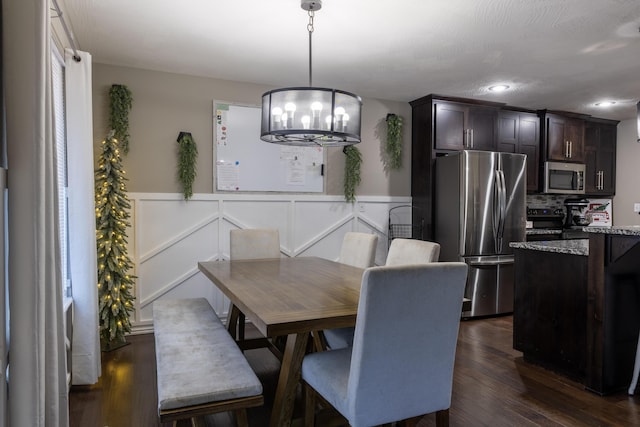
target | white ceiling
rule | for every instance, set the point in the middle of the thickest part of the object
(556, 54)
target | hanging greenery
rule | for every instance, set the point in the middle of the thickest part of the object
(187, 156)
(352, 165)
(120, 101)
(394, 140)
(115, 299)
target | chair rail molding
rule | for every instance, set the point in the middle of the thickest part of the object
(170, 236)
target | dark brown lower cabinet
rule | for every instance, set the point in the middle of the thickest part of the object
(613, 311)
(550, 308)
(578, 315)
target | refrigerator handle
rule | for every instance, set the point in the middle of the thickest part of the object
(500, 205)
(490, 263)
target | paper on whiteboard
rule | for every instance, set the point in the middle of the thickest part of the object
(228, 175)
(295, 172)
(221, 124)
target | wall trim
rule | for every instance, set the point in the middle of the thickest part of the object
(168, 236)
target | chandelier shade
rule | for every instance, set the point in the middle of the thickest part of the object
(311, 116)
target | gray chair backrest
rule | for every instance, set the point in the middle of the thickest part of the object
(358, 249)
(254, 243)
(410, 251)
(405, 341)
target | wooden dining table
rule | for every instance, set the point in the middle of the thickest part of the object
(292, 298)
(289, 297)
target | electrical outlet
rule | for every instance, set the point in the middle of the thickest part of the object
(636, 207)
(362, 209)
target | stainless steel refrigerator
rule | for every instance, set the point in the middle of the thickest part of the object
(480, 207)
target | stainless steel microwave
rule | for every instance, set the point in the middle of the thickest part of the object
(564, 178)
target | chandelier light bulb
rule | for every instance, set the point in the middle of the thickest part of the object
(290, 109)
(339, 112)
(276, 112)
(316, 107)
(345, 119)
(306, 121)
(328, 121)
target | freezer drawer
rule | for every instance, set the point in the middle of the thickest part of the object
(489, 286)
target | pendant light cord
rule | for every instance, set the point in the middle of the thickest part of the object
(310, 29)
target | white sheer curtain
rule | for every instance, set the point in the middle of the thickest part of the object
(37, 363)
(82, 220)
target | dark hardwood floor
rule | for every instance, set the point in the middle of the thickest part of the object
(493, 386)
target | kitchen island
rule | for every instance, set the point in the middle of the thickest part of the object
(577, 305)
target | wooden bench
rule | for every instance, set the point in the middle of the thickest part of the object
(200, 369)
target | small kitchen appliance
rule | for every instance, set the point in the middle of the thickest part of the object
(576, 215)
(576, 218)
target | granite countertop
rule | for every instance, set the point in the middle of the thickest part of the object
(542, 231)
(626, 230)
(571, 247)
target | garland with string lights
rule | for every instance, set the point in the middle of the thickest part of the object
(115, 299)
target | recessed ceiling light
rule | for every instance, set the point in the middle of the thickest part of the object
(498, 88)
(605, 103)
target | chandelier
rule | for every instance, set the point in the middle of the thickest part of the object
(309, 116)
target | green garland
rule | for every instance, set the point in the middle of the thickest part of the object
(394, 140)
(187, 156)
(120, 101)
(352, 165)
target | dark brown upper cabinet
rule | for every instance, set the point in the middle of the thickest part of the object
(564, 138)
(461, 126)
(519, 132)
(600, 157)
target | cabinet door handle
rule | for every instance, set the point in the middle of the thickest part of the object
(570, 148)
(471, 134)
(566, 149)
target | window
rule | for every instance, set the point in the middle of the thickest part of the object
(57, 77)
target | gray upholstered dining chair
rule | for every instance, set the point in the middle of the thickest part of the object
(401, 252)
(249, 243)
(411, 251)
(401, 363)
(254, 243)
(358, 250)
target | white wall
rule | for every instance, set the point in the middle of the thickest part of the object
(627, 174)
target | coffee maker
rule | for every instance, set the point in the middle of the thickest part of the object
(576, 216)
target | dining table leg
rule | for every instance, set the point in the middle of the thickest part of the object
(290, 371)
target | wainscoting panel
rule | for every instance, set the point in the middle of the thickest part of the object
(168, 237)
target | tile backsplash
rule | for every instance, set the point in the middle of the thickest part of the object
(547, 200)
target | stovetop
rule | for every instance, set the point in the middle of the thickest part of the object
(544, 213)
(547, 222)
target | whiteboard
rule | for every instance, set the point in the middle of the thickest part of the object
(243, 162)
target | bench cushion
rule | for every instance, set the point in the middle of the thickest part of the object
(197, 360)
